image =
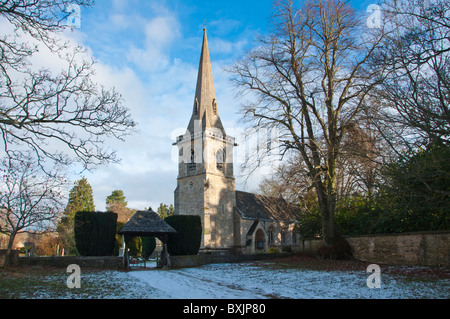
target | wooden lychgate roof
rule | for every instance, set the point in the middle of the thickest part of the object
(146, 223)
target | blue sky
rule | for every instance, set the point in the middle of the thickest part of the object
(119, 31)
(149, 51)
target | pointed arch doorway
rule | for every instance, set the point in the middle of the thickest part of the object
(256, 239)
(260, 240)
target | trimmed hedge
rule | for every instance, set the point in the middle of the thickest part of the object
(95, 233)
(148, 246)
(188, 237)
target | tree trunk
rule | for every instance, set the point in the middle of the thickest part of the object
(326, 195)
(328, 226)
(9, 249)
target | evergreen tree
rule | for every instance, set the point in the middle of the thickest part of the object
(116, 203)
(418, 189)
(80, 198)
(116, 196)
(164, 211)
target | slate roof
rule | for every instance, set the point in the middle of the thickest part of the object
(264, 208)
(146, 223)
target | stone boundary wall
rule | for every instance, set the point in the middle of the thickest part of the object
(418, 248)
(204, 259)
(111, 262)
(103, 262)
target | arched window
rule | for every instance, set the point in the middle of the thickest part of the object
(271, 235)
(283, 235)
(192, 166)
(220, 159)
(196, 106)
(214, 105)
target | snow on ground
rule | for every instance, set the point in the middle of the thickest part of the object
(252, 281)
(226, 281)
(183, 284)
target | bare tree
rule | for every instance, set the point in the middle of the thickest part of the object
(62, 116)
(363, 154)
(412, 107)
(358, 170)
(290, 181)
(309, 79)
(29, 200)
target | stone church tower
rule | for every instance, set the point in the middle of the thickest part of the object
(206, 184)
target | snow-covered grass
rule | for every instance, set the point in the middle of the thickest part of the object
(220, 281)
(251, 281)
(51, 284)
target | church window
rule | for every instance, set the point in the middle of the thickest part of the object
(294, 236)
(214, 105)
(271, 235)
(192, 166)
(220, 159)
(196, 106)
(283, 236)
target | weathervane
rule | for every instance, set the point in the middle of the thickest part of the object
(204, 24)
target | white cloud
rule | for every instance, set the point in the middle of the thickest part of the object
(121, 21)
(119, 4)
(224, 26)
(160, 33)
(219, 45)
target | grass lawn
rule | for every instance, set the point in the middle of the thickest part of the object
(49, 283)
(418, 273)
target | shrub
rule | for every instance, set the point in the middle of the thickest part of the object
(310, 224)
(135, 247)
(339, 250)
(188, 237)
(95, 233)
(148, 246)
(273, 250)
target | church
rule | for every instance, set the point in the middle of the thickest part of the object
(232, 221)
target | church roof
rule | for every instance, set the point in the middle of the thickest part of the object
(146, 223)
(205, 103)
(264, 208)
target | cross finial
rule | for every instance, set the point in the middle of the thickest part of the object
(204, 24)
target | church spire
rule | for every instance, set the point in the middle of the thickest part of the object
(205, 103)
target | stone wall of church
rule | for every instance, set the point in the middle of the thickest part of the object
(189, 198)
(220, 200)
(211, 197)
(262, 236)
